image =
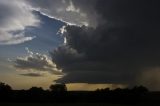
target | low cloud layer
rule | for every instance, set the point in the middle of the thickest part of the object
(15, 16)
(32, 75)
(36, 65)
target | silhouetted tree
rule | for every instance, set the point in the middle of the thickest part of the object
(4, 87)
(104, 90)
(5, 91)
(36, 93)
(58, 88)
(36, 89)
(140, 89)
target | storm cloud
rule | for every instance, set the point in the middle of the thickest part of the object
(119, 49)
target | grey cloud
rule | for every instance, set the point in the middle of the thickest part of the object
(36, 63)
(68, 11)
(94, 77)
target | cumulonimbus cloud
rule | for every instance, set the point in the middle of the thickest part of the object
(116, 51)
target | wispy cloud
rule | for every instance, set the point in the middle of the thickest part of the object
(11, 39)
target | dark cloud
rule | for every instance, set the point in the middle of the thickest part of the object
(32, 75)
(133, 12)
(65, 55)
(124, 43)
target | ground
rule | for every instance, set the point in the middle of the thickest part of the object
(66, 104)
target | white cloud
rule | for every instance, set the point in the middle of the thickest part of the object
(36, 63)
(15, 16)
(72, 8)
(9, 39)
(62, 32)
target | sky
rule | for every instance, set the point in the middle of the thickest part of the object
(86, 44)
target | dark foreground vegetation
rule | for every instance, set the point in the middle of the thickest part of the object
(58, 94)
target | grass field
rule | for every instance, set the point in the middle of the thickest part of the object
(66, 104)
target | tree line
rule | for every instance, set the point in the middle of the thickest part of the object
(59, 93)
